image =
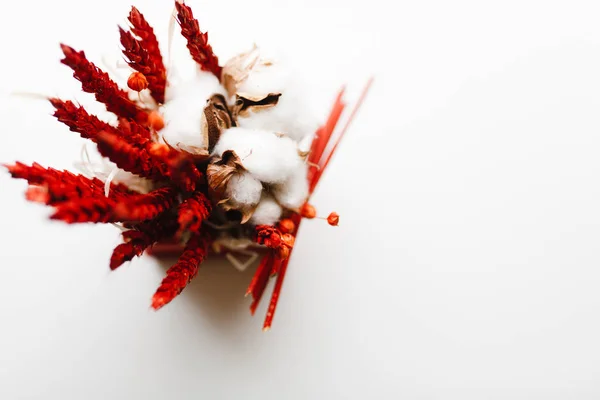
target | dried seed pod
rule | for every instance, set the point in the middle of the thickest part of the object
(137, 81)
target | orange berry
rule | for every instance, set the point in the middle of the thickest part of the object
(288, 239)
(308, 211)
(333, 219)
(287, 225)
(283, 252)
(137, 81)
(155, 120)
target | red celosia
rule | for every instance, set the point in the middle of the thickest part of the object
(180, 274)
(197, 42)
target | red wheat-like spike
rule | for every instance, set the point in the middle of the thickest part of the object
(94, 80)
(138, 58)
(129, 157)
(134, 132)
(89, 209)
(78, 120)
(53, 187)
(197, 42)
(146, 206)
(180, 274)
(180, 166)
(143, 235)
(150, 60)
(192, 212)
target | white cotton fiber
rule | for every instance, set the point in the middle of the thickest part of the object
(294, 191)
(184, 108)
(295, 114)
(268, 157)
(268, 211)
(243, 190)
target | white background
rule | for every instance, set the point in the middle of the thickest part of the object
(467, 261)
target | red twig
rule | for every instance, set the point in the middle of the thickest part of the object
(94, 80)
(180, 274)
(197, 42)
(324, 162)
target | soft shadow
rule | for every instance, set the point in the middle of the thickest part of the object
(217, 293)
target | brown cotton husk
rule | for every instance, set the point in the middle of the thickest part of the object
(220, 171)
(215, 119)
(247, 103)
(238, 68)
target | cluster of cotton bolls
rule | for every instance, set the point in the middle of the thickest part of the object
(268, 123)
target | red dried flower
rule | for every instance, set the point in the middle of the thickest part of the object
(146, 206)
(193, 211)
(94, 80)
(197, 44)
(180, 274)
(143, 54)
(178, 205)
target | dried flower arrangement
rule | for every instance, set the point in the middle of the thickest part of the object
(222, 162)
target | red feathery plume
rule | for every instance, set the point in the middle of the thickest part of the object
(180, 274)
(147, 206)
(197, 42)
(144, 55)
(94, 80)
(192, 212)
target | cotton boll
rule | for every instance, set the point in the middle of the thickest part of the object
(255, 76)
(243, 190)
(184, 108)
(294, 191)
(267, 156)
(268, 212)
